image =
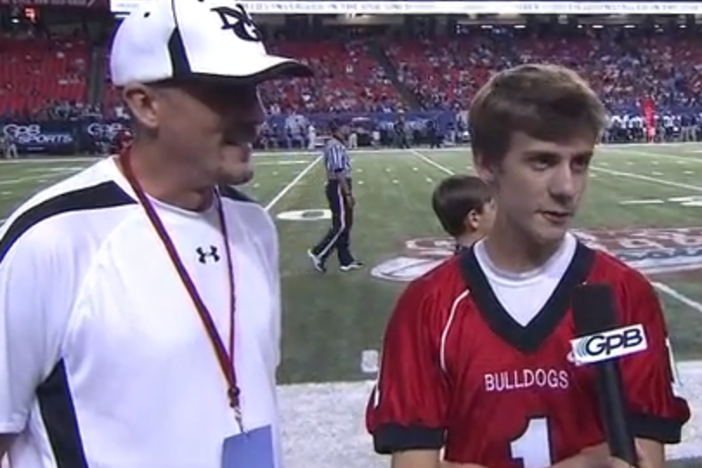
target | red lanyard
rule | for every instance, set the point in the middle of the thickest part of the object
(226, 359)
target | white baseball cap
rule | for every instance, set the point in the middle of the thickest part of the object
(172, 39)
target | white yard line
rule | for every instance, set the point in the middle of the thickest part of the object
(653, 180)
(35, 178)
(654, 154)
(677, 295)
(693, 304)
(431, 162)
(292, 184)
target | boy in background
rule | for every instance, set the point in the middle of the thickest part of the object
(465, 208)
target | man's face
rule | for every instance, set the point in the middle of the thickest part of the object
(211, 126)
(237, 168)
(539, 185)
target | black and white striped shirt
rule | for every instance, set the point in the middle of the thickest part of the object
(336, 160)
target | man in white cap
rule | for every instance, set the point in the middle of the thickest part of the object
(139, 299)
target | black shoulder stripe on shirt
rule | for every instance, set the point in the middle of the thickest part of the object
(59, 416)
(103, 195)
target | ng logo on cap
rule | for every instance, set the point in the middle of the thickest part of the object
(610, 344)
(239, 21)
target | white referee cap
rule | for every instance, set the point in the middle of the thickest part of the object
(173, 39)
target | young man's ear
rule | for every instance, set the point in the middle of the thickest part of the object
(472, 221)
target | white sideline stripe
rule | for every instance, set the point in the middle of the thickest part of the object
(292, 184)
(697, 306)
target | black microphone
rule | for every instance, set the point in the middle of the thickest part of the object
(594, 312)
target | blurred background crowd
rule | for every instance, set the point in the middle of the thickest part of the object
(404, 83)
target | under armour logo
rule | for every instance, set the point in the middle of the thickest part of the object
(239, 21)
(204, 255)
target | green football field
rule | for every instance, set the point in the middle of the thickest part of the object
(644, 204)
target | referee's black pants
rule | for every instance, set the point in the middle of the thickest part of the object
(338, 236)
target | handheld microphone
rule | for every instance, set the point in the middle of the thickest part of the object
(599, 342)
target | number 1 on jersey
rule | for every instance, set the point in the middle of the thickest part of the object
(533, 446)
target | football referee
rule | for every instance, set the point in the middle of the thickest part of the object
(341, 204)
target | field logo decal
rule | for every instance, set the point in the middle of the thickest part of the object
(653, 251)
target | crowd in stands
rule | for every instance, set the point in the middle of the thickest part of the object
(48, 78)
(43, 77)
(622, 66)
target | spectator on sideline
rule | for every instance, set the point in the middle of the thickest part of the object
(139, 301)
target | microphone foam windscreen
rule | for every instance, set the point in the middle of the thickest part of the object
(594, 309)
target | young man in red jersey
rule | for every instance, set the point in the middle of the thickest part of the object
(475, 356)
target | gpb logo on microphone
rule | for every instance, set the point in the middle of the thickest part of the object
(610, 344)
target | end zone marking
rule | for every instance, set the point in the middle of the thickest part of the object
(292, 184)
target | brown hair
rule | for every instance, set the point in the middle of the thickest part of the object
(455, 197)
(548, 102)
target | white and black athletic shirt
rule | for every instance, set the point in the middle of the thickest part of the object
(104, 361)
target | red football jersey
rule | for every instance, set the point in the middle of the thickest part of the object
(459, 372)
